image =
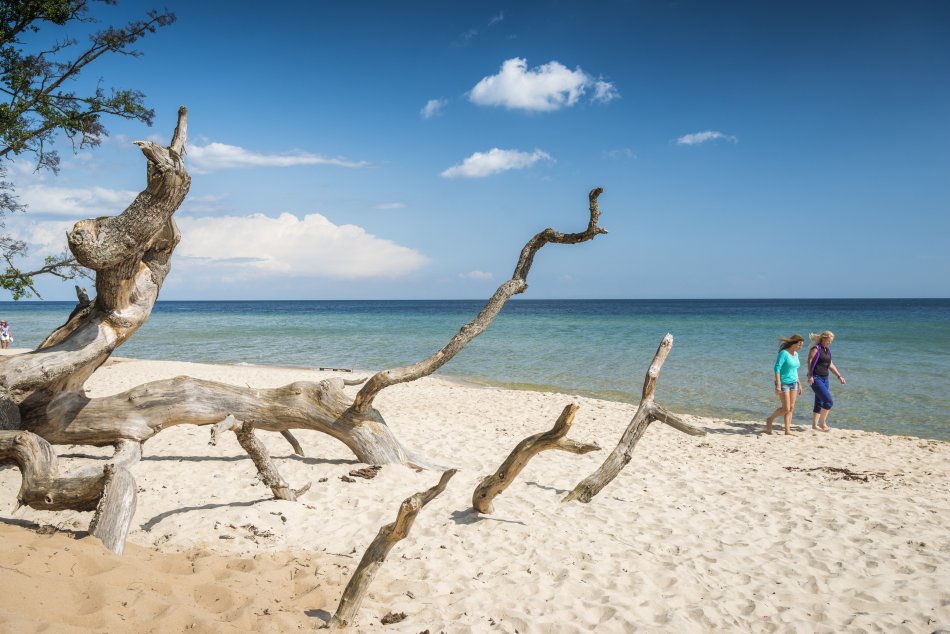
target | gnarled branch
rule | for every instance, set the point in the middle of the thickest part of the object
(517, 284)
(517, 460)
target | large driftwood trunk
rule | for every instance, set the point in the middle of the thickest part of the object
(42, 391)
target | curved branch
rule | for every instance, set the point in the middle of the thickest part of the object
(517, 460)
(130, 254)
(517, 284)
(138, 414)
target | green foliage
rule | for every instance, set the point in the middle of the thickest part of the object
(37, 104)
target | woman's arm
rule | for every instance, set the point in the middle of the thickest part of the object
(811, 356)
(837, 374)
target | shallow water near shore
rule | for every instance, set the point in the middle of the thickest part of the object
(894, 353)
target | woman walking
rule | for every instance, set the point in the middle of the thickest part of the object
(787, 385)
(819, 366)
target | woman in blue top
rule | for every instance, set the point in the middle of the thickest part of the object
(787, 385)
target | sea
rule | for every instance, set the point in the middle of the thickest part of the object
(894, 353)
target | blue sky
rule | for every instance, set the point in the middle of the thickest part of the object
(408, 150)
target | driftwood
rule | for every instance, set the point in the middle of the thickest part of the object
(109, 491)
(42, 391)
(496, 483)
(376, 553)
(647, 412)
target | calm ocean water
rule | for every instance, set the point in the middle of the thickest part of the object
(895, 354)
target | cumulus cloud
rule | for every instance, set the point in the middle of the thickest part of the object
(202, 159)
(75, 203)
(481, 164)
(551, 86)
(476, 275)
(702, 137)
(432, 108)
(259, 246)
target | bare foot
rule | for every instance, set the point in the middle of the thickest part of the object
(788, 433)
(826, 428)
(768, 425)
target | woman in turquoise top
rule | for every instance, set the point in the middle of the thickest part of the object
(787, 385)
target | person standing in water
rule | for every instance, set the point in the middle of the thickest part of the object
(819, 366)
(787, 385)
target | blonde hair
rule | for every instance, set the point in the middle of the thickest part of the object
(788, 342)
(815, 338)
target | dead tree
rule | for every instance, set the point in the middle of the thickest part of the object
(648, 412)
(130, 256)
(517, 460)
(42, 391)
(376, 553)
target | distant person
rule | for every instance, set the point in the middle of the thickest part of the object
(5, 336)
(819, 365)
(787, 385)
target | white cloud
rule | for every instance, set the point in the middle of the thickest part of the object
(46, 237)
(620, 153)
(548, 87)
(604, 92)
(258, 246)
(391, 206)
(432, 108)
(702, 137)
(481, 164)
(496, 18)
(476, 275)
(75, 203)
(218, 156)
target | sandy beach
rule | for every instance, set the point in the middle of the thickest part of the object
(734, 531)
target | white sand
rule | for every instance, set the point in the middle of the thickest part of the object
(732, 531)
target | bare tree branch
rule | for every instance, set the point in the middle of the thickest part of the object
(517, 284)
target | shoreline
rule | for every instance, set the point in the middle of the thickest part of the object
(735, 530)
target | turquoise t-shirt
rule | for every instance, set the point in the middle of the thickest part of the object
(787, 366)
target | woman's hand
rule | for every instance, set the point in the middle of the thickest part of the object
(841, 378)
(811, 380)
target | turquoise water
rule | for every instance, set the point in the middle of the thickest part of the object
(895, 354)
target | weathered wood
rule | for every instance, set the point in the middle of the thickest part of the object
(516, 461)
(130, 255)
(42, 486)
(115, 510)
(109, 490)
(265, 465)
(647, 412)
(376, 553)
(140, 413)
(517, 284)
(294, 443)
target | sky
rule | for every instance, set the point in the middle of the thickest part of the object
(384, 150)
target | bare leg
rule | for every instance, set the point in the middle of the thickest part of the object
(789, 409)
(778, 412)
(823, 420)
